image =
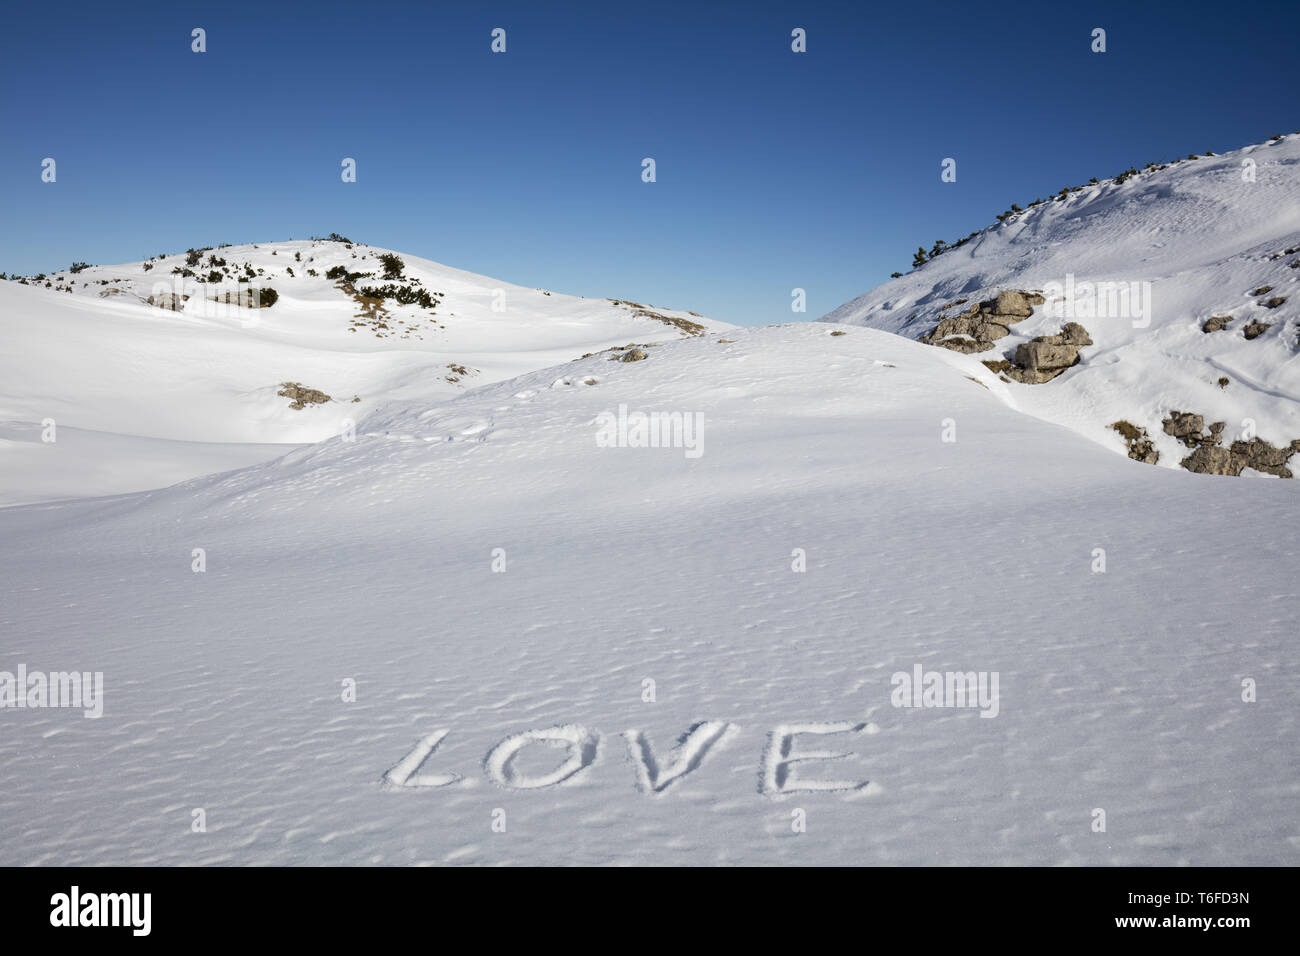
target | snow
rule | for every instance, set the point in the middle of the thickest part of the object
(475, 618)
(519, 696)
(1202, 236)
(105, 362)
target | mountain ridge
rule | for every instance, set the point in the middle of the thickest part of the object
(1207, 254)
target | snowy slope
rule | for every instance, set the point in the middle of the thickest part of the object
(142, 396)
(372, 560)
(1202, 236)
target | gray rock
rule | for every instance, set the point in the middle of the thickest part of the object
(1211, 460)
(1208, 457)
(1013, 302)
(1046, 356)
(1043, 358)
(1263, 456)
(1186, 427)
(302, 395)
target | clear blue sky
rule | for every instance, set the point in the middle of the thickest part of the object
(775, 170)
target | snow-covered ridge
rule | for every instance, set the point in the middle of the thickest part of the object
(1145, 263)
(490, 575)
(143, 394)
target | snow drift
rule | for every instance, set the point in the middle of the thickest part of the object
(476, 634)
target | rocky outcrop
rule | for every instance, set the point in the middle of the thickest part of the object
(301, 395)
(984, 323)
(634, 355)
(1262, 456)
(1189, 429)
(1255, 329)
(976, 330)
(1043, 358)
(1216, 323)
(1209, 457)
(1256, 453)
(645, 312)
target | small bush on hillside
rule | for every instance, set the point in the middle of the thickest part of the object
(400, 294)
(78, 266)
(393, 266)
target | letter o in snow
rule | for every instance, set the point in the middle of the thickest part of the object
(577, 740)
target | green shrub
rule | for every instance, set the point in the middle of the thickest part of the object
(403, 295)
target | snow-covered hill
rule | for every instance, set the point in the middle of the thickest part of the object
(141, 396)
(536, 611)
(582, 581)
(1184, 247)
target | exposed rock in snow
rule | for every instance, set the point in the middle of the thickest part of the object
(977, 329)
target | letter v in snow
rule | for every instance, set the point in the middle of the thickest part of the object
(691, 749)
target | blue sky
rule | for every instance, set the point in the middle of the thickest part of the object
(775, 170)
